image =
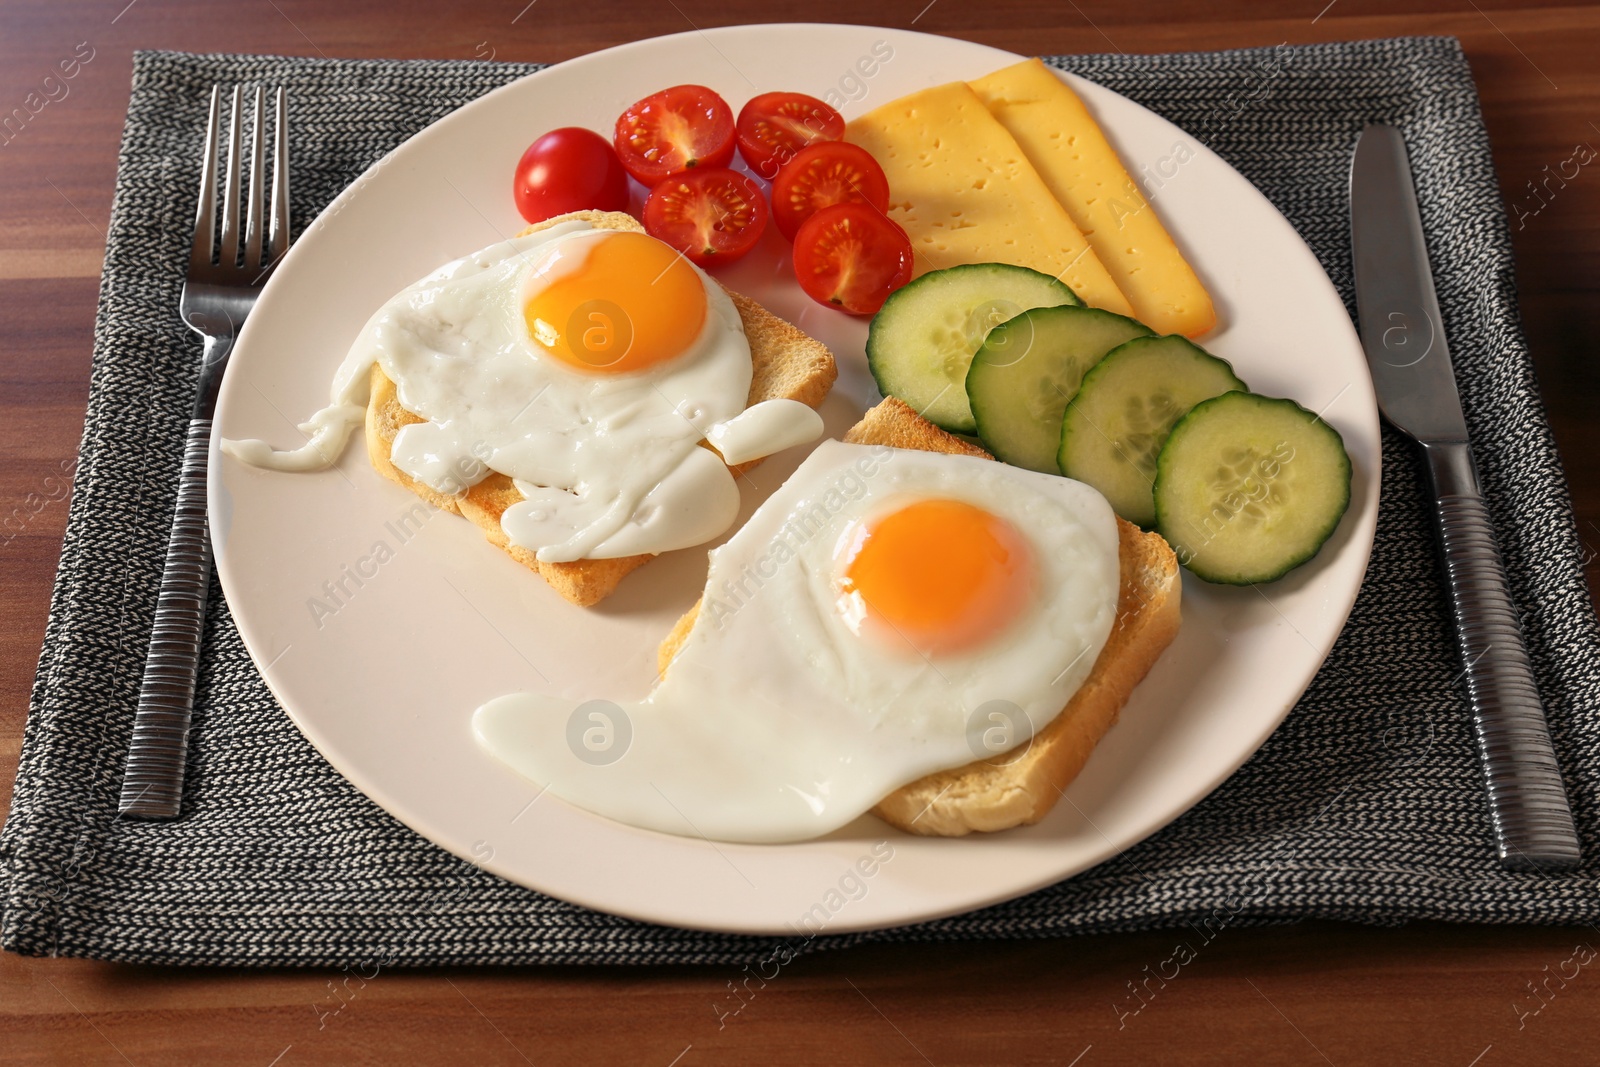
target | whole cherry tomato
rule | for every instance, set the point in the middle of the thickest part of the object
(570, 169)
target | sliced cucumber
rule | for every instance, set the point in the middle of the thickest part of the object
(1248, 487)
(923, 337)
(1114, 428)
(1029, 368)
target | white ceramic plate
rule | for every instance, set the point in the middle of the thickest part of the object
(421, 620)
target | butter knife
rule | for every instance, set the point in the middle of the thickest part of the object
(1403, 334)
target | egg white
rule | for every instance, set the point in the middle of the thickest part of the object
(608, 465)
(777, 722)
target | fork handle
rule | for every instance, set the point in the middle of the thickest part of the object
(152, 783)
(1527, 801)
(152, 788)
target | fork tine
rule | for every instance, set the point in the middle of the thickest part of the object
(252, 229)
(279, 235)
(205, 217)
(230, 195)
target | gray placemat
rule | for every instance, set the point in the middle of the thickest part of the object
(1367, 804)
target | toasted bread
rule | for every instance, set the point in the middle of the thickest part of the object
(1021, 786)
(786, 363)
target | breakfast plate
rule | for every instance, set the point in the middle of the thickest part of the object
(380, 626)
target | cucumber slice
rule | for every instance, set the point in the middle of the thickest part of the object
(923, 338)
(1029, 368)
(1114, 428)
(1248, 487)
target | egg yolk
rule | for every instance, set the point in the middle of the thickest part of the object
(629, 303)
(940, 575)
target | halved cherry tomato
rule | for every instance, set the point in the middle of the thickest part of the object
(711, 215)
(675, 130)
(824, 174)
(851, 256)
(569, 169)
(772, 127)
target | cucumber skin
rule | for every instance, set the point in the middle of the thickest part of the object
(1262, 577)
(1098, 369)
(876, 346)
(978, 429)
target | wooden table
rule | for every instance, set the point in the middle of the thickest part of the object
(1314, 992)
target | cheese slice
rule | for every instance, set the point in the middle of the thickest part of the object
(965, 192)
(1082, 171)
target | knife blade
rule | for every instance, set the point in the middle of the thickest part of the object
(1403, 334)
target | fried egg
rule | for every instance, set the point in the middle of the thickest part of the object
(851, 637)
(585, 364)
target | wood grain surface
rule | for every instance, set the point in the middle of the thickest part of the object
(1308, 993)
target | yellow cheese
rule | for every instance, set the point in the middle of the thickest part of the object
(965, 193)
(1082, 171)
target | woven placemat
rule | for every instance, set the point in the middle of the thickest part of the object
(1367, 804)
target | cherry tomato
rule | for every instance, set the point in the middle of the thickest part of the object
(824, 174)
(675, 130)
(570, 169)
(711, 214)
(772, 127)
(851, 256)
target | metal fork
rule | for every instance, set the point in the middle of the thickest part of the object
(219, 292)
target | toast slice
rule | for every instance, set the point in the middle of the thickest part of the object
(785, 361)
(1021, 786)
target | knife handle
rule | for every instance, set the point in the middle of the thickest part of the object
(1527, 800)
